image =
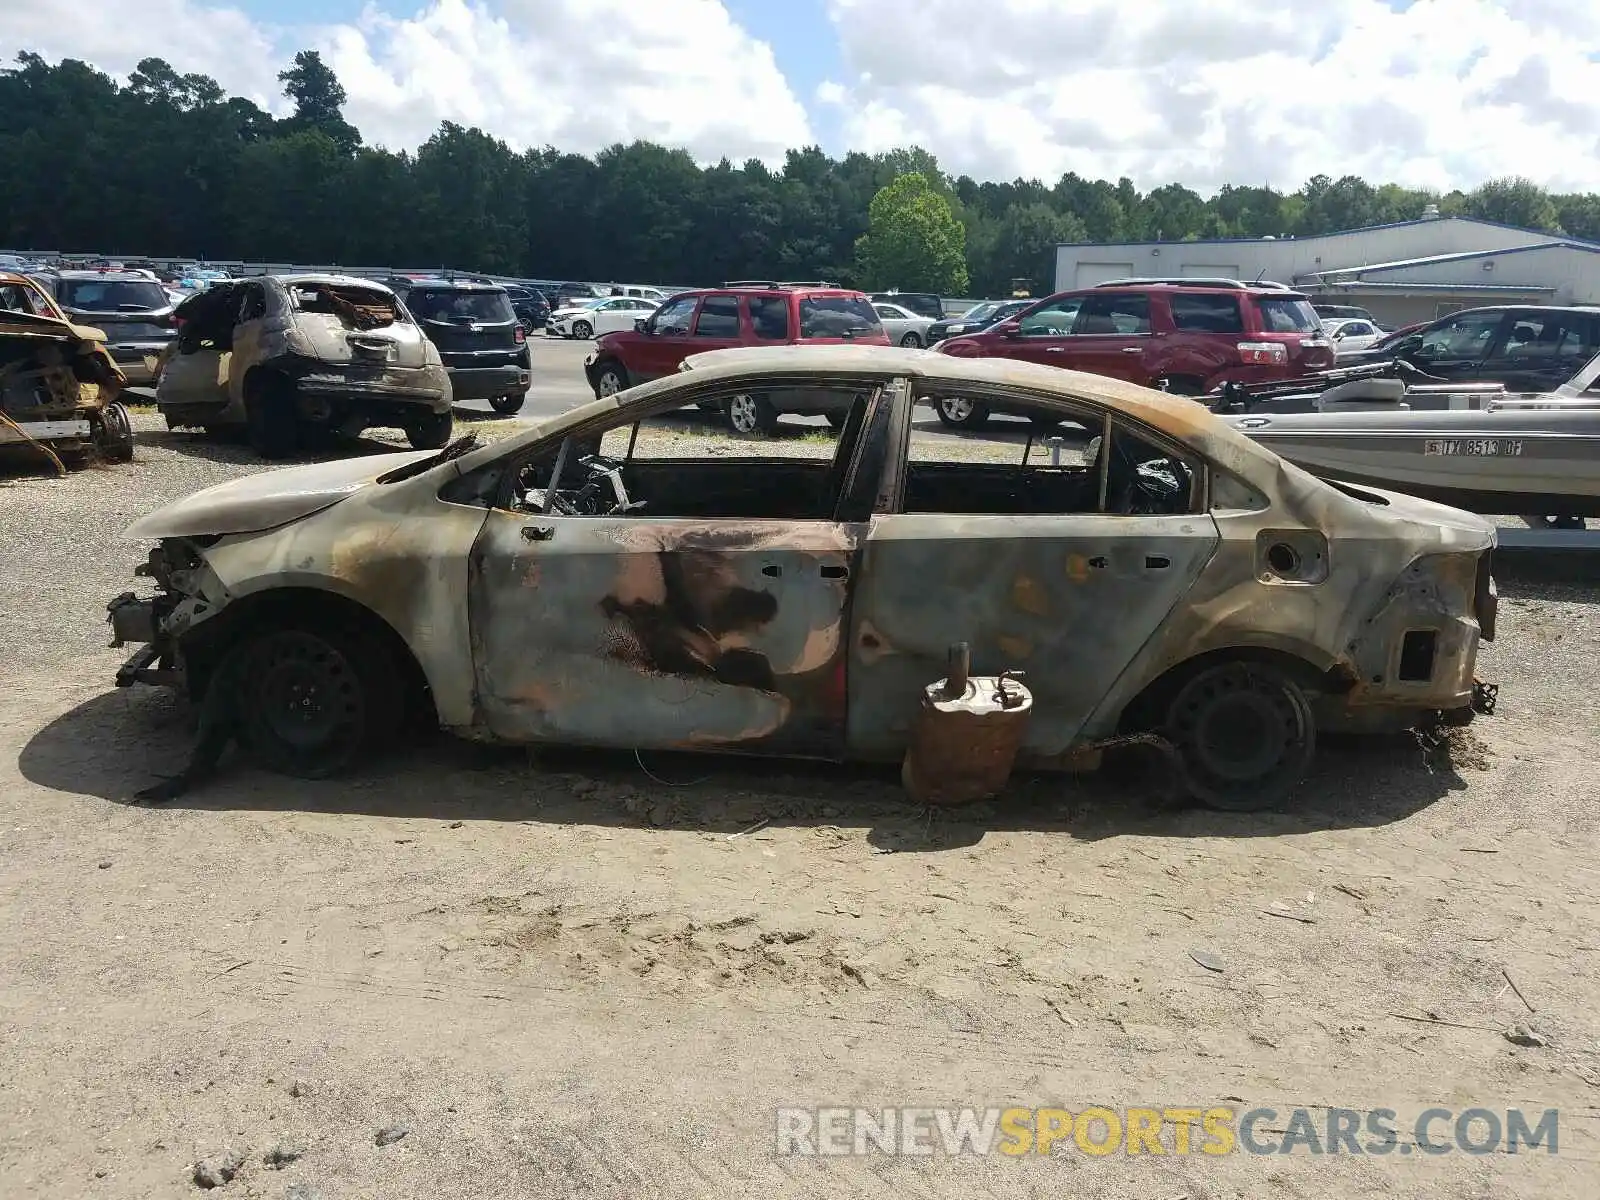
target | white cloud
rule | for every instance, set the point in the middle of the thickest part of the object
(577, 74)
(1206, 92)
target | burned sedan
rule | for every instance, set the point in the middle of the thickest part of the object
(583, 583)
(291, 356)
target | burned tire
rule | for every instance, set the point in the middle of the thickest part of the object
(508, 406)
(1245, 734)
(270, 422)
(312, 701)
(959, 413)
(113, 434)
(430, 431)
(749, 414)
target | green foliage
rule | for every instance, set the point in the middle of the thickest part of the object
(165, 164)
(913, 240)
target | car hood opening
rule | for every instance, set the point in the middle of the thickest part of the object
(269, 499)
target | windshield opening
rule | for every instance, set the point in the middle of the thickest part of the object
(1280, 314)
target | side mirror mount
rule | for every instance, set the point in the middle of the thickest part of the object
(1009, 329)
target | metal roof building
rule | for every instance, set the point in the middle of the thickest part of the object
(1405, 272)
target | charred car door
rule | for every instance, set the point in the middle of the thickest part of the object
(1059, 566)
(696, 605)
(193, 379)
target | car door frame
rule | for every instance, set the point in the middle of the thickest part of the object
(1532, 380)
(184, 383)
(656, 356)
(1046, 349)
(650, 612)
(1462, 369)
(1113, 355)
(1015, 609)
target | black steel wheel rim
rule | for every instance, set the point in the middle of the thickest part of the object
(1238, 731)
(308, 696)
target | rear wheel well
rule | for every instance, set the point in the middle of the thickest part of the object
(307, 608)
(260, 378)
(1147, 710)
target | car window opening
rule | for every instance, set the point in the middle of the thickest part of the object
(644, 477)
(356, 308)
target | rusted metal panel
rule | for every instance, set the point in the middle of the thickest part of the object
(672, 633)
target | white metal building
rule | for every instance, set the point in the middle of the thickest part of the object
(1405, 272)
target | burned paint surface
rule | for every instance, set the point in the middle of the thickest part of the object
(639, 632)
(50, 369)
(663, 633)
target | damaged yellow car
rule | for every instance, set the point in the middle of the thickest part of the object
(591, 582)
(58, 384)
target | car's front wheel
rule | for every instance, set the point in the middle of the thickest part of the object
(1245, 734)
(508, 405)
(311, 701)
(960, 413)
(429, 431)
(750, 414)
(582, 330)
(911, 341)
(610, 378)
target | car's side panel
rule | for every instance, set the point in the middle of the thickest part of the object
(686, 634)
(1069, 599)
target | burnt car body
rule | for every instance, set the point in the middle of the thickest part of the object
(58, 383)
(286, 356)
(1184, 581)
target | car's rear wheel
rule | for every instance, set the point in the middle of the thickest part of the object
(582, 330)
(113, 434)
(429, 431)
(610, 379)
(508, 405)
(1245, 733)
(312, 701)
(271, 425)
(751, 414)
(911, 341)
(961, 413)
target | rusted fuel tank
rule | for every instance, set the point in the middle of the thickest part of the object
(967, 734)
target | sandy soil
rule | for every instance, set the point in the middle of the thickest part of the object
(582, 975)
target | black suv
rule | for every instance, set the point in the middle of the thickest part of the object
(133, 310)
(482, 342)
(976, 319)
(1529, 348)
(924, 304)
(532, 309)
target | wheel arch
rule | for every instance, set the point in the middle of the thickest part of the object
(314, 604)
(1304, 664)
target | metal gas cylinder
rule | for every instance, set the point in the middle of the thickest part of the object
(967, 734)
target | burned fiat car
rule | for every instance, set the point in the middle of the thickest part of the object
(583, 582)
(59, 387)
(288, 357)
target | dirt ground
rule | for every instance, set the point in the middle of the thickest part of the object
(591, 975)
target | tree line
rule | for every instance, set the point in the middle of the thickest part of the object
(167, 164)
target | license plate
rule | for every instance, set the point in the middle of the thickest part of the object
(1473, 447)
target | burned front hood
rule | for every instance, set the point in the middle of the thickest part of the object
(269, 499)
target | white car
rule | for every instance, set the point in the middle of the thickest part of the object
(1350, 335)
(904, 327)
(608, 314)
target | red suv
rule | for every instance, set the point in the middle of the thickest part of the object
(747, 315)
(1185, 336)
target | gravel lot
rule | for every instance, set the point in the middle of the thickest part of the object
(564, 975)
